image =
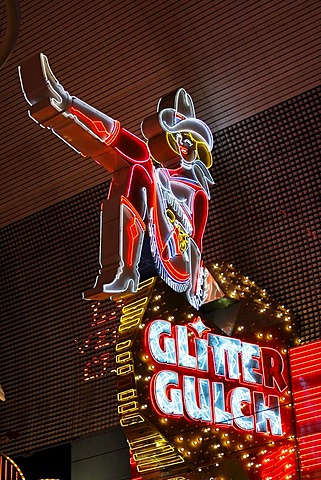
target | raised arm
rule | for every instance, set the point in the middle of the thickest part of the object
(86, 129)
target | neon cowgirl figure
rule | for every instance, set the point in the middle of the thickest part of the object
(169, 205)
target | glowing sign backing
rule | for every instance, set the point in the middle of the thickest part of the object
(305, 363)
(191, 398)
(170, 206)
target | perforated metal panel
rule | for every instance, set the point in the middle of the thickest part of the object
(56, 349)
(264, 218)
(265, 209)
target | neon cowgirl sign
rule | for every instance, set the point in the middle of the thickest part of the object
(169, 206)
(194, 366)
(193, 385)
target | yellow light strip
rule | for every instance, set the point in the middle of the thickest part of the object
(145, 439)
(160, 463)
(131, 420)
(146, 454)
(124, 357)
(149, 447)
(125, 369)
(128, 407)
(146, 283)
(134, 306)
(123, 345)
(126, 395)
(131, 323)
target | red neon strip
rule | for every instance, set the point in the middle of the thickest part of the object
(315, 344)
(311, 460)
(309, 450)
(305, 392)
(126, 202)
(98, 126)
(312, 416)
(304, 349)
(279, 470)
(273, 470)
(307, 456)
(309, 373)
(307, 445)
(179, 276)
(314, 452)
(300, 408)
(310, 366)
(307, 402)
(305, 464)
(176, 239)
(312, 353)
(132, 232)
(312, 437)
(313, 399)
(310, 445)
(306, 366)
(306, 420)
(304, 406)
(308, 352)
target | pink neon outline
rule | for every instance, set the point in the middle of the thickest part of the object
(268, 420)
(177, 353)
(133, 233)
(174, 273)
(169, 335)
(110, 135)
(130, 206)
(153, 397)
(281, 373)
(252, 414)
(210, 422)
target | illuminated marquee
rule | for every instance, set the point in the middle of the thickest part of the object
(178, 351)
(191, 397)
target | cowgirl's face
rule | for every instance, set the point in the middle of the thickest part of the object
(187, 147)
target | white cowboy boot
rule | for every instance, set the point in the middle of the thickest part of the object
(122, 276)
